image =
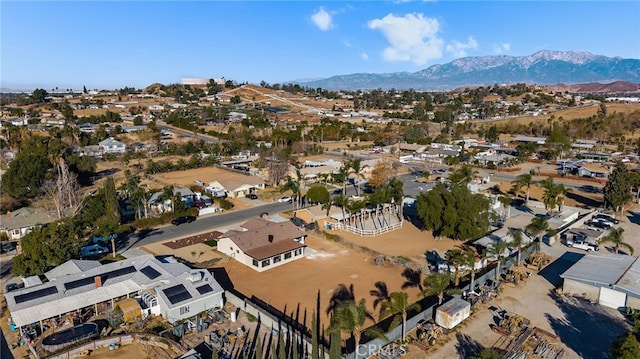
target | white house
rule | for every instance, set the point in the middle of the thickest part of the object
(263, 244)
(111, 145)
(238, 186)
(168, 288)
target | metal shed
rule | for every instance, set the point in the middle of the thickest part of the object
(453, 313)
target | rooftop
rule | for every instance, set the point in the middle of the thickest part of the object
(604, 269)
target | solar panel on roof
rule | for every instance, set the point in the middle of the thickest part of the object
(150, 272)
(177, 294)
(120, 272)
(204, 289)
(35, 294)
(79, 283)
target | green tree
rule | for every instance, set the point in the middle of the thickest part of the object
(463, 175)
(506, 206)
(355, 168)
(398, 305)
(517, 241)
(617, 191)
(497, 250)
(616, 238)
(318, 194)
(39, 95)
(350, 317)
(168, 194)
(436, 284)
(536, 227)
(523, 180)
(455, 258)
(626, 347)
(25, 175)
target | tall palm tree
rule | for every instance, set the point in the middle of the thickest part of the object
(517, 242)
(497, 249)
(167, 194)
(398, 305)
(455, 258)
(470, 255)
(350, 317)
(341, 201)
(463, 175)
(615, 237)
(523, 180)
(381, 293)
(436, 284)
(292, 185)
(340, 294)
(506, 206)
(356, 167)
(536, 227)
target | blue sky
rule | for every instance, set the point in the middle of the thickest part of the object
(108, 45)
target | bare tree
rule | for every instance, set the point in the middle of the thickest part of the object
(277, 165)
(64, 191)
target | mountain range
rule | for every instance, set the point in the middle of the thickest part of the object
(543, 68)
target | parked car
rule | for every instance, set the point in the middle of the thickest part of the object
(184, 219)
(252, 196)
(581, 244)
(285, 199)
(13, 286)
(607, 217)
(601, 223)
(298, 221)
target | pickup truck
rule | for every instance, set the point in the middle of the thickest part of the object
(580, 244)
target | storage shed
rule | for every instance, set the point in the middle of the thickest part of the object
(453, 313)
(131, 309)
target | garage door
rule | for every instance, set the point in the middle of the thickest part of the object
(612, 298)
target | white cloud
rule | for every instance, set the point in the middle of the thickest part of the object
(322, 19)
(502, 49)
(412, 37)
(364, 56)
(459, 49)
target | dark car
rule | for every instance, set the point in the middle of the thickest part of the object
(607, 217)
(184, 219)
(252, 196)
(337, 191)
(298, 221)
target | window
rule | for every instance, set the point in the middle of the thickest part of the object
(287, 255)
(297, 252)
(184, 310)
(277, 259)
(16, 231)
(266, 262)
(255, 263)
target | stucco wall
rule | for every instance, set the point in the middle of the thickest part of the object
(588, 291)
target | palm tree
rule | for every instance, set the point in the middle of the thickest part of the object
(469, 256)
(518, 242)
(340, 294)
(398, 305)
(523, 180)
(463, 175)
(436, 284)
(615, 237)
(497, 249)
(506, 205)
(455, 258)
(536, 227)
(167, 194)
(292, 185)
(381, 293)
(341, 201)
(349, 317)
(356, 168)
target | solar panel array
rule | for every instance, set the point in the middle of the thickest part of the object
(120, 272)
(35, 294)
(204, 289)
(150, 272)
(79, 283)
(177, 294)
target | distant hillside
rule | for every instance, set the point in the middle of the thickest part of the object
(543, 67)
(595, 87)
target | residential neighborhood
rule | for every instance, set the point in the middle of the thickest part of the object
(139, 208)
